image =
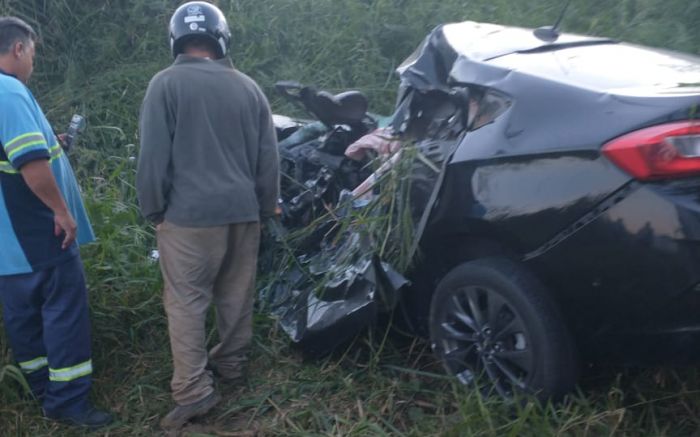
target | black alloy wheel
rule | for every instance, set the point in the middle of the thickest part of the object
(492, 322)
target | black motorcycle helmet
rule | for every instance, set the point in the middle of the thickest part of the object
(199, 19)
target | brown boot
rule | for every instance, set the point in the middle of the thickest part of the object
(237, 374)
(182, 414)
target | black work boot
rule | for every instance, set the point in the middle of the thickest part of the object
(92, 418)
(182, 414)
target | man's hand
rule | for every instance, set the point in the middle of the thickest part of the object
(64, 223)
(63, 140)
(39, 177)
(273, 226)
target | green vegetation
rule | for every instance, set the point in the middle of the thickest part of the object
(96, 58)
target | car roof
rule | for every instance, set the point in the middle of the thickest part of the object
(485, 41)
(599, 64)
(622, 69)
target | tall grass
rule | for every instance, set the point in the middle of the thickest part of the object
(96, 58)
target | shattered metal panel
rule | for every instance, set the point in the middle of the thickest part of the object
(333, 292)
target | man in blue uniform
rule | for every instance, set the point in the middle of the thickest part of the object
(42, 221)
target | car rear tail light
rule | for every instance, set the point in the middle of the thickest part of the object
(660, 152)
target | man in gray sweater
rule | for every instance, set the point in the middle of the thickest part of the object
(207, 174)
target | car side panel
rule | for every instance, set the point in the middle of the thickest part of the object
(635, 267)
(523, 202)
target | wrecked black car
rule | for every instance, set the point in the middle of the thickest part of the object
(532, 202)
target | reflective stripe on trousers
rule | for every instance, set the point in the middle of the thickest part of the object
(70, 373)
(33, 365)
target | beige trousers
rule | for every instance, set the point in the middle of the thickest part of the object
(201, 266)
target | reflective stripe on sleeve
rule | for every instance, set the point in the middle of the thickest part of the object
(6, 167)
(70, 373)
(54, 152)
(33, 365)
(22, 142)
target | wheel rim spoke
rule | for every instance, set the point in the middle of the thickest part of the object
(452, 333)
(520, 358)
(495, 306)
(490, 370)
(513, 326)
(466, 376)
(462, 315)
(512, 377)
(458, 355)
(473, 300)
(492, 373)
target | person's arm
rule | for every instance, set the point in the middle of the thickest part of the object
(27, 150)
(156, 128)
(40, 179)
(267, 178)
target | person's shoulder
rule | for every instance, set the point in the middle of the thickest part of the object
(249, 82)
(245, 78)
(162, 75)
(161, 80)
(12, 92)
(10, 86)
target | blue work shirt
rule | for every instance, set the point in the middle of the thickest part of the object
(27, 240)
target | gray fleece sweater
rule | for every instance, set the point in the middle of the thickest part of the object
(208, 148)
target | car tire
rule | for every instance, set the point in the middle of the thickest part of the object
(493, 325)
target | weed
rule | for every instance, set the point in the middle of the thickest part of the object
(97, 57)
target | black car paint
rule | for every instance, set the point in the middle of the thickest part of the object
(621, 258)
(618, 256)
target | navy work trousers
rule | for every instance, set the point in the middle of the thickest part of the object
(48, 327)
